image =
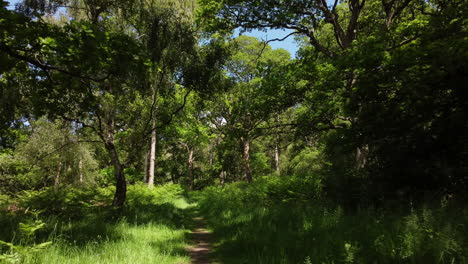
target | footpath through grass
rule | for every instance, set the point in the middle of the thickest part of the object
(272, 221)
(79, 226)
(275, 221)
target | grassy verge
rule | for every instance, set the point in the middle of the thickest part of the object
(83, 228)
(147, 243)
(273, 221)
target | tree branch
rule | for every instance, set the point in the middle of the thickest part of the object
(46, 67)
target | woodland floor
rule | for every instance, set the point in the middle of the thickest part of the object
(201, 250)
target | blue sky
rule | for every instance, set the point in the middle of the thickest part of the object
(288, 44)
(12, 4)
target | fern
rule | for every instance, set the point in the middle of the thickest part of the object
(17, 253)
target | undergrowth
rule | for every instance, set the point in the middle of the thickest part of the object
(274, 221)
(78, 225)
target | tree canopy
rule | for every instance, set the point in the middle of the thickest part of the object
(123, 124)
(374, 98)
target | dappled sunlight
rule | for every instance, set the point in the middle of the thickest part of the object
(186, 131)
(283, 232)
(151, 228)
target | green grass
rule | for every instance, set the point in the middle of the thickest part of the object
(84, 228)
(259, 224)
(272, 221)
(148, 243)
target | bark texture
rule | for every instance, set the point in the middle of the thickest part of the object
(152, 159)
(247, 174)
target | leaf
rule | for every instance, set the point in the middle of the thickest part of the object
(10, 245)
(41, 246)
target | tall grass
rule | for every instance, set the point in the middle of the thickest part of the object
(272, 221)
(147, 243)
(84, 228)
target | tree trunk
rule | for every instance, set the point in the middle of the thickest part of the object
(120, 183)
(80, 170)
(174, 176)
(57, 176)
(222, 177)
(152, 160)
(277, 151)
(277, 161)
(247, 175)
(145, 177)
(210, 160)
(361, 156)
(190, 168)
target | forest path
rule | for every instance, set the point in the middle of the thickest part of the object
(201, 249)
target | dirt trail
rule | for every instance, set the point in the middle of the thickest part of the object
(200, 251)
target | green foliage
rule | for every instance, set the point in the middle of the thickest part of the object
(308, 161)
(407, 109)
(133, 175)
(263, 191)
(256, 220)
(260, 163)
(26, 247)
(361, 135)
(141, 195)
(386, 75)
(17, 253)
(258, 92)
(51, 155)
(14, 174)
(81, 224)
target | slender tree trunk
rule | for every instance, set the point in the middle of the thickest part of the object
(247, 175)
(277, 150)
(210, 160)
(222, 177)
(174, 177)
(190, 168)
(361, 156)
(57, 175)
(80, 169)
(152, 159)
(277, 161)
(145, 177)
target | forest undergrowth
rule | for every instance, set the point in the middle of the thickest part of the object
(352, 147)
(272, 220)
(278, 220)
(78, 225)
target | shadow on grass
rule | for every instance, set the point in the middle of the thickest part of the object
(289, 233)
(174, 246)
(263, 237)
(77, 226)
(103, 225)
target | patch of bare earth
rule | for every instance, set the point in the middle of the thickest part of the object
(201, 248)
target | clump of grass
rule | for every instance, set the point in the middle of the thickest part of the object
(147, 243)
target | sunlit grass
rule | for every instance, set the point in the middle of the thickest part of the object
(84, 228)
(262, 223)
(148, 243)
